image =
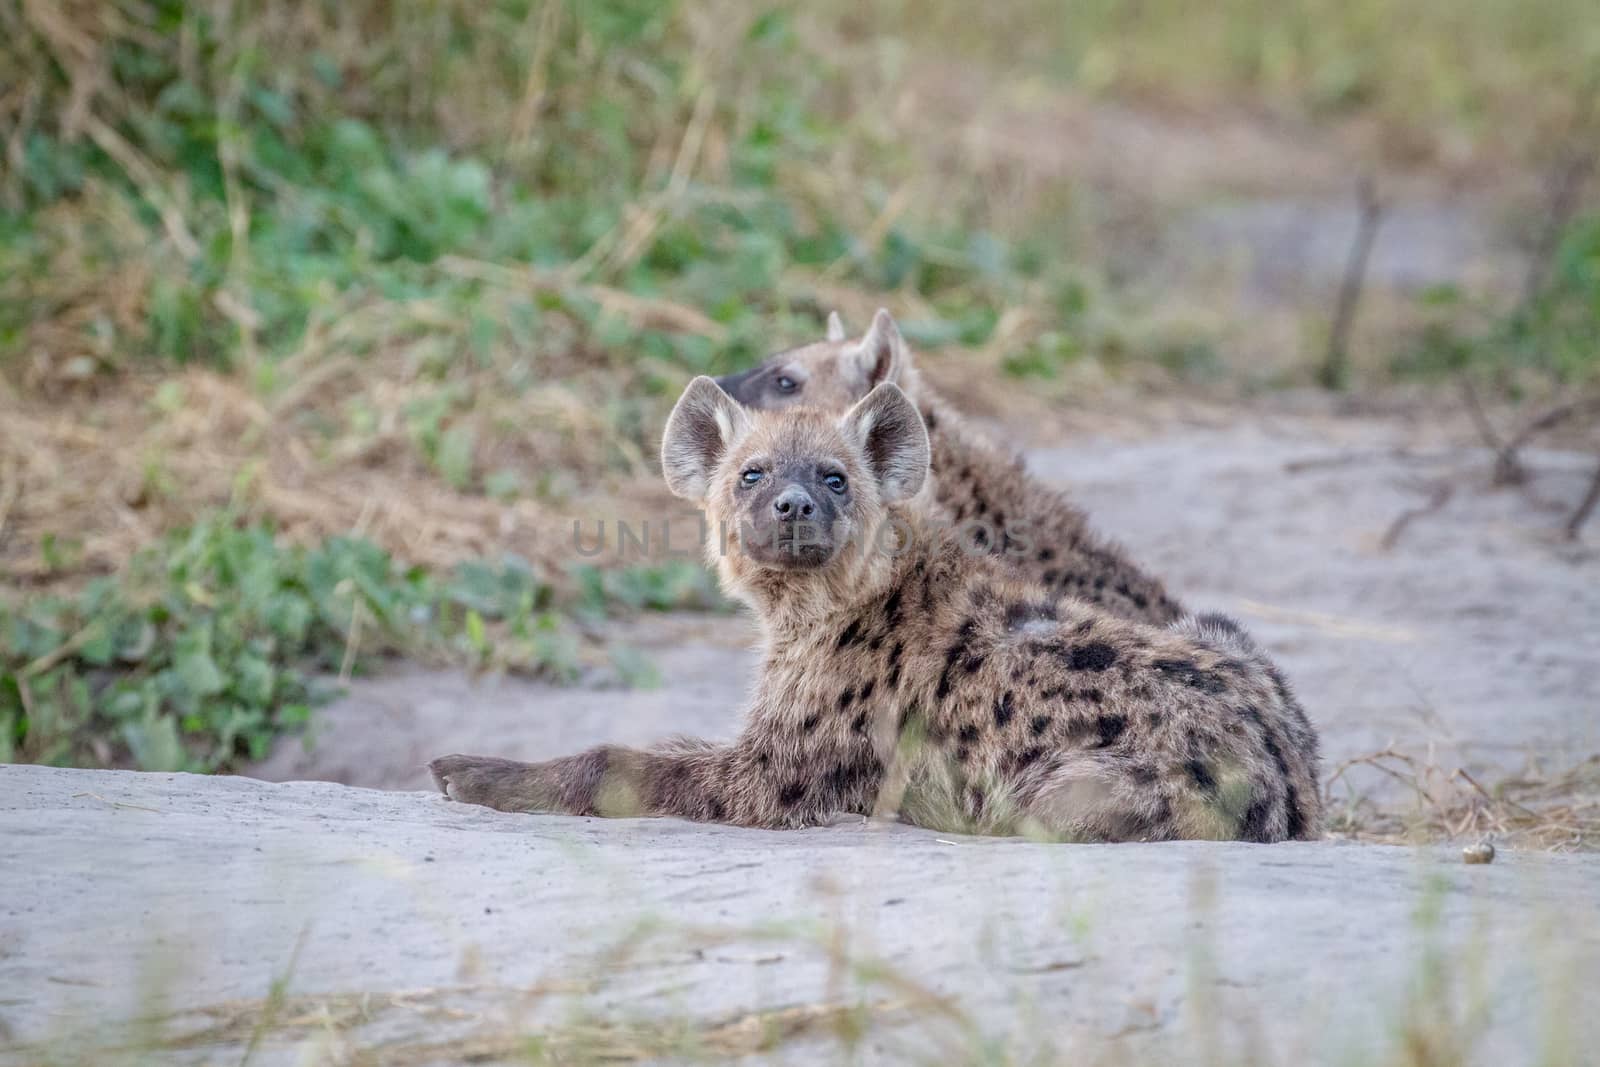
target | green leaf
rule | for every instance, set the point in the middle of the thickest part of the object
(191, 658)
(155, 744)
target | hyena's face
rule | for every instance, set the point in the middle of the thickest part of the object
(801, 490)
(830, 375)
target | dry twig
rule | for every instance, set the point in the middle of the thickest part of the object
(1438, 499)
(1336, 365)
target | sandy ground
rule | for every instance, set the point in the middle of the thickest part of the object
(419, 930)
(1475, 640)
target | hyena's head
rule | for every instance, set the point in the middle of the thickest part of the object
(831, 374)
(802, 496)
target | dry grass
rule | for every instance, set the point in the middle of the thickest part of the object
(1556, 810)
(333, 452)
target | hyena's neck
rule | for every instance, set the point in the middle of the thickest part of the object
(799, 611)
(969, 472)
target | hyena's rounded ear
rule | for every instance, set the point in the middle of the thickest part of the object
(835, 327)
(893, 440)
(882, 354)
(703, 425)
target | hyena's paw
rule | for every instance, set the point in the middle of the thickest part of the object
(495, 783)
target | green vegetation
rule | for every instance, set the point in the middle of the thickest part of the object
(1551, 336)
(210, 645)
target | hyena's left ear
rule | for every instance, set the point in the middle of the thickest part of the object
(703, 425)
(835, 327)
(890, 432)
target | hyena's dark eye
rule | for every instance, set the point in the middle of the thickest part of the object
(785, 384)
(835, 482)
(750, 477)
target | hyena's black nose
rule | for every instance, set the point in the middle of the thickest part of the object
(793, 503)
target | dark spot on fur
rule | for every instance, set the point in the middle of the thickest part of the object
(810, 723)
(1111, 728)
(1091, 656)
(1190, 674)
(1142, 774)
(763, 758)
(1297, 822)
(893, 681)
(1090, 695)
(1040, 724)
(972, 663)
(851, 635)
(1140, 601)
(859, 725)
(876, 643)
(1257, 821)
(1003, 709)
(866, 690)
(847, 698)
(963, 753)
(1024, 759)
(1201, 775)
(1048, 577)
(792, 794)
(716, 810)
(1083, 627)
(891, 609)
(968, 733)
(1046, 555)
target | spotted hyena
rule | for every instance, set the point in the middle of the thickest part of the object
(905, 675)
(979, 485)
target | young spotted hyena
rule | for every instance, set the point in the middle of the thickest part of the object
(973, 481)
(903, 675)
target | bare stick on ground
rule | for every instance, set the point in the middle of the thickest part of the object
(1336, 365)
(1438, 499)
(1508, 468)
(1590, 499)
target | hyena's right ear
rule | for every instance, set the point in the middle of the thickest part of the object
(835, 327)
(703, 425)
(887, 426)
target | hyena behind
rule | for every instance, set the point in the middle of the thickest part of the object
(903, 676)
(974, 481)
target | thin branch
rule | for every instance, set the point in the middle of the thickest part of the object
(1586, 507)
(1565, 188)
(1440, 497)
(1336, 365)
(1480, 418)
(1508, 469)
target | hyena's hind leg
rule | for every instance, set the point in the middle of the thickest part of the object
(1085, 796)
(1091, 796)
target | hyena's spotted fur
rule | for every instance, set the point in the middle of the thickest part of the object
(929, 683)
(974, 479)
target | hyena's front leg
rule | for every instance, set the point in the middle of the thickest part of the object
(606, 780)
(689, 779)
